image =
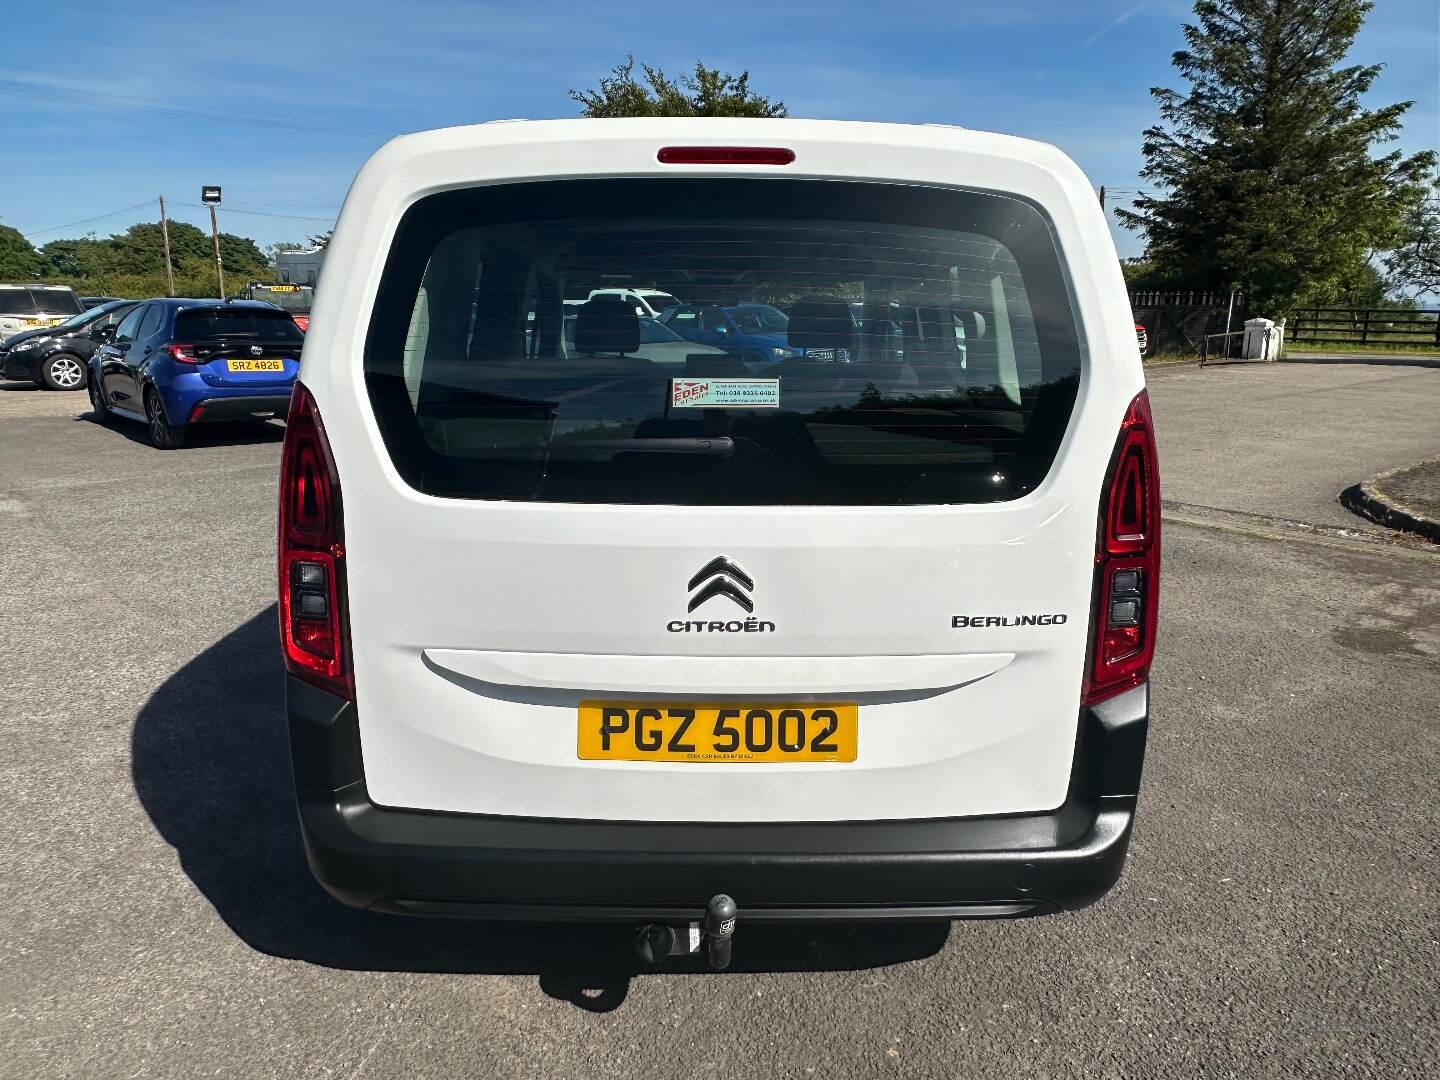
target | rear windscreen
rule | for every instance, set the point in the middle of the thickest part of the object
(238, 324)
(832, 343)
(15, 301)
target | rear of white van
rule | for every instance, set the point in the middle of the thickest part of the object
(862, 634)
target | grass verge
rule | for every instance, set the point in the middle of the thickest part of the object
(1341, 349)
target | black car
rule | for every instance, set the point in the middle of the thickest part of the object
(95, 301)
(55, 357)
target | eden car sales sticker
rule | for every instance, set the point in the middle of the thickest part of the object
(725, 393)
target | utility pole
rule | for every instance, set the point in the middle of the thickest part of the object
(1102, 198)
(165, 235)
(210, 196)
(215, 239)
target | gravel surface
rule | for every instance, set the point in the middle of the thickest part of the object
(1276, 917)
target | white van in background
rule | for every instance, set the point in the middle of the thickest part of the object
(30, 306)
(647, 302)
(590, 637)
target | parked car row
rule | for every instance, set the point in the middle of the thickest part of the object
(167, 363)
(55, 356)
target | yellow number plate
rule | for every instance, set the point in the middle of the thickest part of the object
(255, 365)
(646, 731)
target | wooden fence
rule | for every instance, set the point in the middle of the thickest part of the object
(1178, 320)
(1366, 326)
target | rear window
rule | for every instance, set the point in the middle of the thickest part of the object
(903, 345)
(238, 324)
(16, 301)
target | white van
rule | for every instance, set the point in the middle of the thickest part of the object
(31, 306)
(647, 302)
(573, 635)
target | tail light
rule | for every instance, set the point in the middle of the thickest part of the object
(181, 352)
(313, 627)
(1127, 562)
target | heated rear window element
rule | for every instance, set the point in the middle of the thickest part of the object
(238, 324)
(833, 344)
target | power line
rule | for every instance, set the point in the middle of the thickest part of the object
(93, 99)
(86, 221)
(262, 213)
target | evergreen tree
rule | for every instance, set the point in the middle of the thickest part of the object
(18, 259)
(706, 92)
(1265, 163)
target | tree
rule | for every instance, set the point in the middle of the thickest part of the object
(81, 258)
(19, 261)
(1412, 268)
(243, 260)
(271, 250)
(706, 92)
(322, 240)
(1265, 163)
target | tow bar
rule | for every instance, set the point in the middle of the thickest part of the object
(656, 941)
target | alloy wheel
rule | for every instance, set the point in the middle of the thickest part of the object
(157, 419)
(67, 373)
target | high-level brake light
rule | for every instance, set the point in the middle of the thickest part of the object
(725, 155)
(1127, 562)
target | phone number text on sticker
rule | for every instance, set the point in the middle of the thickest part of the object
(725, 393)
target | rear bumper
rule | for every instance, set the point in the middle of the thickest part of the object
(414, 862)
(238, 407)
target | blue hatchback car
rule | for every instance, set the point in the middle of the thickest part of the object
(753, 332)
(173, 364)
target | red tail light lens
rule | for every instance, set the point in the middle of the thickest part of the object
(181, 352)
(312, 554)
(1127, 562)
(725, 155)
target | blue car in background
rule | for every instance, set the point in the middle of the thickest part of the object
(754, 332)
(172, 364)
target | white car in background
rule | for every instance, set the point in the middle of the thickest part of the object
(30, 306)
(648, 302)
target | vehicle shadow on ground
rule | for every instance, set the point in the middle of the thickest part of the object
(210, 762)
(231, 434)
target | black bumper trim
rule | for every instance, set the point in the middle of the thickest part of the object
(418, 862)
(225, 409)
(582, 913)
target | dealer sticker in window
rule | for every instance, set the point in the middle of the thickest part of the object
(725, 393)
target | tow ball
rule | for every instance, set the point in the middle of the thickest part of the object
(716, 933)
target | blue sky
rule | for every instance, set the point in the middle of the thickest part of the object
(281, 103)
